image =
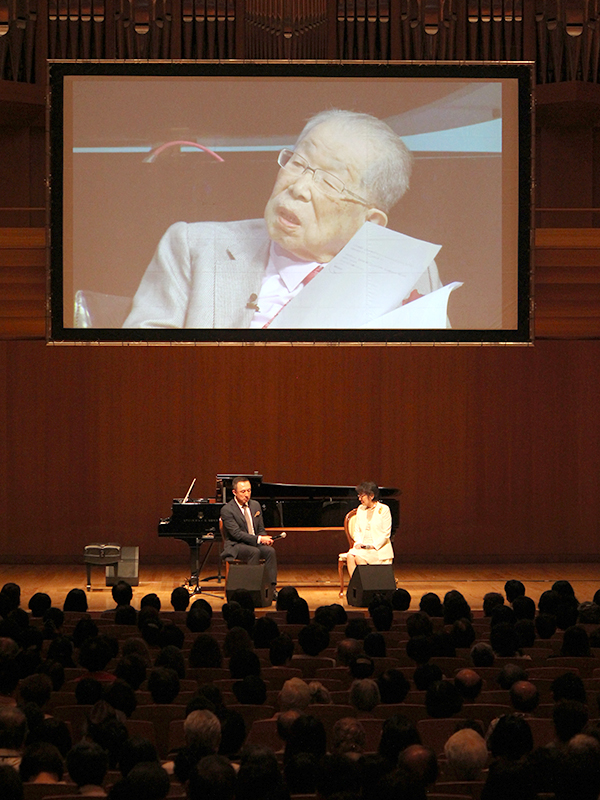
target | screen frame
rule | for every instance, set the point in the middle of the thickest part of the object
(521, 72)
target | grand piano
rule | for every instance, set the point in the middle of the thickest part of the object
(285, 506)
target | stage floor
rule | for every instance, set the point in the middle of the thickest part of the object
(317, 584)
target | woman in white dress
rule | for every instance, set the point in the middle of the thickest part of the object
(372, 529)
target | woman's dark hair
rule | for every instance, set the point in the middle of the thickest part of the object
(503, 640)
(564, 588)
(326, 617)
(298, 613)
(431, 604)
(197, 620)
(125, 615)
(397, 733)
(41, 757)
(122, 593)
(107, 730)
(281, 650)
(313, 639)
(243, 597)
(205, 652)
(368, 487)
(511, 738)
(203, 604)
(95, 654)
(426, 674)
(180, 598)
(121, 697)
(233, 732)
(463, 633)
(151, 599)
(132, 669)
(455, 607)
(52, 731)
(525, 632)
(443, 700)
(286, 596)
(575, 642)
(265, 630)
(383, 616)
(54, 616)
(306, 735)
(135, 751)
(163, 685)
(11, 785)
(568, 686)
(570, 717)
(502, 613)
(401, 599)
(75, 600)
(171, 656)
(393, 686)
(36, 689)
(513, 588)
(357, 628)
(85, 628)
(524, 607)
(88, 691)
(147, 779)
(39, 603)
(549, 602)
(545, 625)
(87, 763)
(243, 663)
(259, 776)
(375, 645)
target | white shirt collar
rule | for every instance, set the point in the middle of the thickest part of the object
(292, 271)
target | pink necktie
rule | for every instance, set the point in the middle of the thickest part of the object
(248, 517)
(306, 280)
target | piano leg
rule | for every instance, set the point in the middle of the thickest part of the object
(196, 566)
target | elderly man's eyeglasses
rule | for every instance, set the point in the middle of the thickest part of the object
(329, 184)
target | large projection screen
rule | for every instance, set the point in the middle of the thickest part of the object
(266, 253)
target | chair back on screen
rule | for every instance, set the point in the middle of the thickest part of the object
(99, 310)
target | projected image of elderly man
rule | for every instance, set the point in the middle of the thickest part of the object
(294, 268)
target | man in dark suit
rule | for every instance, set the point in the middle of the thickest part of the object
(244, 529)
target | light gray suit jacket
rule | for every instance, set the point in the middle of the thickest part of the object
(203, 273)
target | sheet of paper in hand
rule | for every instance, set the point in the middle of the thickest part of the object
(429, 311)
(368, 278)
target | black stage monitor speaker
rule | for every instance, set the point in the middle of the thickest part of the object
(368, 580)
(254, 579)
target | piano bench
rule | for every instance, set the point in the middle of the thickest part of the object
(100, 555)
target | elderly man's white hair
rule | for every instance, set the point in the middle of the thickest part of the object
(467, 754)
(294, 693)
(389, 161)
(364, 694)
(202, 729)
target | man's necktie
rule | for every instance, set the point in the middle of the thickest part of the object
(306, 280)
(248, 517)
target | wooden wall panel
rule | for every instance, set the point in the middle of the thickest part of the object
(22, 283)
(496, 449)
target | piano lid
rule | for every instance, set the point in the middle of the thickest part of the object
(262, 489)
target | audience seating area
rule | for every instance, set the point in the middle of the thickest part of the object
(400, 670)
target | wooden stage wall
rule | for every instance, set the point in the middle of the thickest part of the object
(496, 449)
